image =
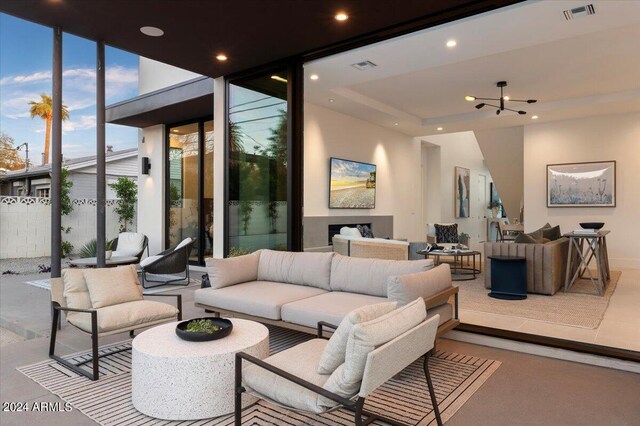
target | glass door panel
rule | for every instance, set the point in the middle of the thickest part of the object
(207, 193)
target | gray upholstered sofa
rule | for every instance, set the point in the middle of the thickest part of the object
(297, 290)
(546, 263)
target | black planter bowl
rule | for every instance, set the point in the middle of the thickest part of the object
(592, 225)
(225, 329)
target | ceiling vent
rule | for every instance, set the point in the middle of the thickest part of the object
(364, 65)
(579, 12)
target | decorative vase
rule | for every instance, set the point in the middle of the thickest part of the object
(494, 212)
(107, 254)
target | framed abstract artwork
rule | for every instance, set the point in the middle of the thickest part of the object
(461, 187)
(590, 184)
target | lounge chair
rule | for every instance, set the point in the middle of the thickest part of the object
(169, 262)
(130, 244)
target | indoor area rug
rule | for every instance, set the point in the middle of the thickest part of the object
(405, 398)
(580, 307)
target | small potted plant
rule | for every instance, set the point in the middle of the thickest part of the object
(463, 238)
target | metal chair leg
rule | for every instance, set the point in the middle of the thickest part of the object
(238, 390)
(434, 402)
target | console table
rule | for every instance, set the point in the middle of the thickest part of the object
(583, 248)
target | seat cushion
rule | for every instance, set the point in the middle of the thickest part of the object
(331, 307)
(182, 243)
(124, 316)
(233, 270)
(259, 298)
(149, 260)
(129, 244)
(367, 336)
(445, 311)
(334, 353)
(407, 288)
(112, 286)
(301, 361)
(369, 276)
(311, 269)
(75, 291)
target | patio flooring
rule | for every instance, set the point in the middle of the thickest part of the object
(526, 389)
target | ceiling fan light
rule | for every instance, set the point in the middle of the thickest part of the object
(532, 101)
(497, 112)
(469, 98)
(522, 112)
(480, 105)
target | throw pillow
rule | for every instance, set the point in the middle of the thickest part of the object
(447, 233)
(366, 337)
(366, 232)
(552, 233)
(112, 286)
(350, 232)
(233, 270)
(334, 353)
(526, 239)
(407, 288)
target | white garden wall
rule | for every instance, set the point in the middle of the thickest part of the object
(25, 225)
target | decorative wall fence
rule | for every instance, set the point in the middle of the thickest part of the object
(25, 225)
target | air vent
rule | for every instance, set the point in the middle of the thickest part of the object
(579, 12)
(364, 65)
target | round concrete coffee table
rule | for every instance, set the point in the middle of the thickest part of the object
(173, 379)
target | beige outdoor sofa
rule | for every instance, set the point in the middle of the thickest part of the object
(299, 290)
(546, 263)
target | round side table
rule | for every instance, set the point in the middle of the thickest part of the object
(173, 379)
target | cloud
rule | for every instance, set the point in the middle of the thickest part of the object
(84, 122)
(29, 78)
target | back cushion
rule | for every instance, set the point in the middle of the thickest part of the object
(310, 269)
(369, 276)
(129, 243)
(112, 286)
(367, 336)
(407, 288)
(75, 292)
(446, 233)
(334, 353)
(233, 270)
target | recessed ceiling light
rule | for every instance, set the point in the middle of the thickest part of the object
(451, 43)
(534, 117)
(331, 100)
(314, 76)
(151, 31)
(469, 98)
(341, 16)
(439, 129)
(395, 124)
(221, 57)
(278, 78)
(506, 98)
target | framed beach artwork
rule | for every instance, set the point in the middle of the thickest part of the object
(461, 187)
(582, 184)
(353, 185)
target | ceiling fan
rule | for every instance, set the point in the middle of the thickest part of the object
(501, 99)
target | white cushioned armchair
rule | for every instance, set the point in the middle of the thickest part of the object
(370, 346)
(102, 302)
(351, 243)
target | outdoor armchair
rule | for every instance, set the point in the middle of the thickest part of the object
(320, 376)
(169, 262)
(102, 302)
(130, 244)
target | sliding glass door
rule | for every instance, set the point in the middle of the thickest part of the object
(189, 207)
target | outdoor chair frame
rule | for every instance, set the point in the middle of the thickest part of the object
(172, 262)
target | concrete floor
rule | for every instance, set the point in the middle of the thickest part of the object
(526, 389)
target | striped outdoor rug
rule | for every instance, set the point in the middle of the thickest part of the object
(405, 398)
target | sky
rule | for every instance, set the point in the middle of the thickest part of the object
(25, 72)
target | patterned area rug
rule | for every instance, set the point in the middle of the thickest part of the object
(405, 398)
(580, 307)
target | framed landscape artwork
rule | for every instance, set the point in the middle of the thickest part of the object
(353, 185)
(582, 184)
(461, 187)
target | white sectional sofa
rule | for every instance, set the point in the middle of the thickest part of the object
(349, 242)
(297, 290)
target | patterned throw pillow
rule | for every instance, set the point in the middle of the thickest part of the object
(447, 233)
(366, 232)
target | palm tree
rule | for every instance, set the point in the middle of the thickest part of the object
(44, 110)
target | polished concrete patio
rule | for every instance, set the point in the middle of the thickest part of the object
(526, 389)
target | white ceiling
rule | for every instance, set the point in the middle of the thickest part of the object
(577, 68)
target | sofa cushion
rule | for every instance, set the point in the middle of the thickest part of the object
(367, 336)
(446, 233)
(552, 233)
(331, 307)
(75, 291)
(301, 361)
(233, 270)
(310, 269)
(334, 353)
(528, 238)
(124, 315)
(129, 244)
(259, 298)
(112, 286)
(369, 276)
(407, 288)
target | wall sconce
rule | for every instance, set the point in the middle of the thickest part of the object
(146, 165)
